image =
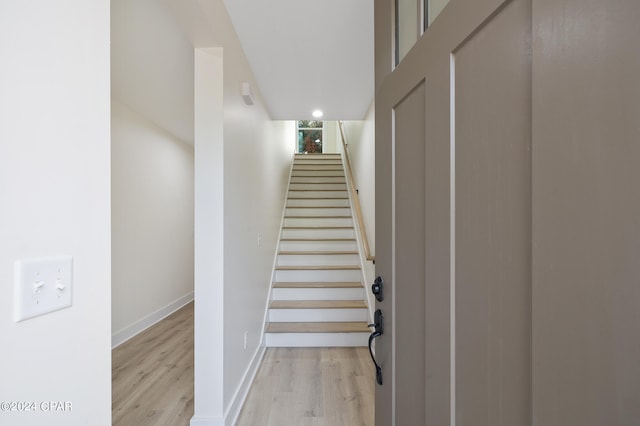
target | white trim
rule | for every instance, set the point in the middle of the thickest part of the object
(206, 421)
(141, 325)
(452, 236)
(393, 269)
(237, 402)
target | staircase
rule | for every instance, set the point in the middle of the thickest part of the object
(317, 297)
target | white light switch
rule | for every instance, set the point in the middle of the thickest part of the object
(42, 286)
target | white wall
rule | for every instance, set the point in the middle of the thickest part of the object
(152, 64)
(257, 159)
(360, 136)
(209, 238)
(330, 137)
(242, 163)
(55, 189)
(152, 222)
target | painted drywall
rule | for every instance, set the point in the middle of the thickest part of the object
(152, 222)
(55, 192)
(330, 137)
(242, 162)
(257, 159)
(152, 65)
(360, 136)
(209, 238)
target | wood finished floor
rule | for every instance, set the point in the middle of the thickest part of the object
(153, 382)
(311, 387)
(152, 374)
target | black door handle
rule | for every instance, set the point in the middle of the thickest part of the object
(378, 324)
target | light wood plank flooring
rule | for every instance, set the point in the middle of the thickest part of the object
(152, 374)
(153, 382)
(311, 387)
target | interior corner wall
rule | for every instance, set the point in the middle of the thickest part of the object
(55, 192)
(361, 139)
(152, 222)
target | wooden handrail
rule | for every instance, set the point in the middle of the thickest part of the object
(354, 196)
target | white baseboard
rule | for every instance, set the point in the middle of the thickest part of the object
(206, 421)
(231, 416)
(139, 326)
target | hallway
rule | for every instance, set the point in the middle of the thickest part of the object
(153, 374)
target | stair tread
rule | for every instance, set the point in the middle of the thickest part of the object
(318, 198)
(317, 227)
(318, 176)
(318, 304)
(319, 207)
(312, 253)
(317, 327)
(317, 239)
(318, 284)
(317, 217)
(317, 190)
(318, 268)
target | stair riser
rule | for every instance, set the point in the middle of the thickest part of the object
(292, 202)
(318, 246)
(328, 156)
(317, 180)
(328, 173)
(318, 293)
(317, 315)
(307, 160)
(318, 276)
(318, 260)
(302, 340)
(318, 167)
(319, 186)
(312, 221)
(318, 194)
(315, 212)
(318, 233)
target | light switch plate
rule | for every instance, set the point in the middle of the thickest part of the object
(42, 285)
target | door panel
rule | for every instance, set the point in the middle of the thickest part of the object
(493, 221)
(409, 289)
(586, 335)
(531, 215)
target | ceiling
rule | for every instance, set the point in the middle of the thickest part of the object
(309, 55)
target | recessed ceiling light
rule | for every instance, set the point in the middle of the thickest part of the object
(317, 113)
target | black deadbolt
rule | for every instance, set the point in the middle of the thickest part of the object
(376, 288)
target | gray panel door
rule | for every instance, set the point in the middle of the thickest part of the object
(508, 215)
(453, 219)
(586, 214)
(492, 233)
